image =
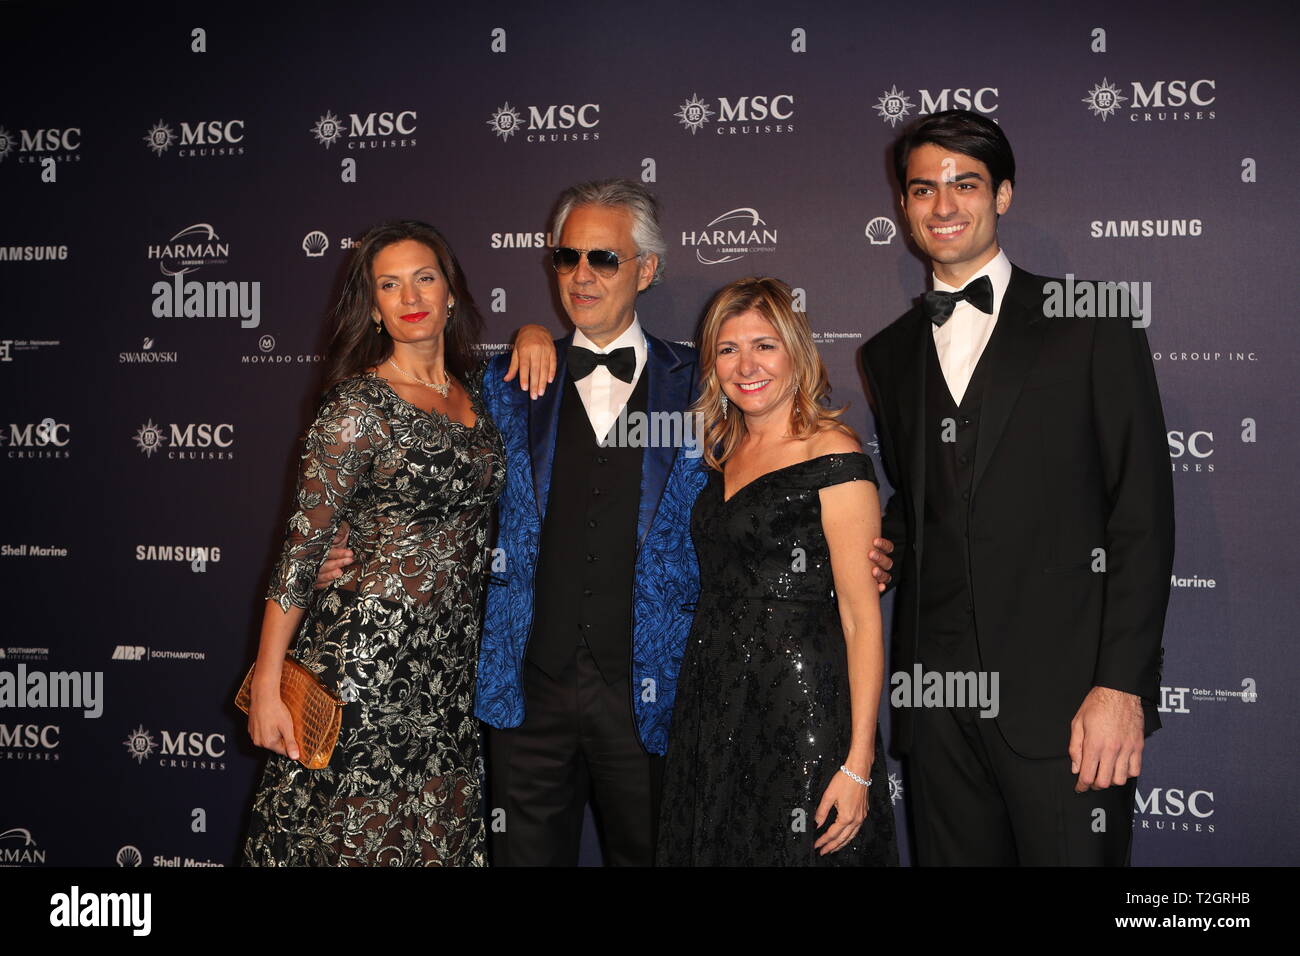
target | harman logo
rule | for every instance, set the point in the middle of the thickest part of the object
(194, 441)
(556, 123)
(18, 847)
(881, 231)
(32, 146)
(44, 439)
(189, 250)
(182, 749)
(315, 243)
(520, 240)
(895, 105)
(29, 742)
(205, 138)
(1161, 101)
(378, 130)
(732, 236)
(743, 115)
(32, 253)
(147, 355)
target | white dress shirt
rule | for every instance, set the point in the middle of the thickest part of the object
(961, 340)
(603, 395)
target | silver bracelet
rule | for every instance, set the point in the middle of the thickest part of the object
(854, 777)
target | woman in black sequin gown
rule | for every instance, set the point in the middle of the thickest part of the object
(404, 453)
(774, 729)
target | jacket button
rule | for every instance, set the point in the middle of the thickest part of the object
(591, 524)
(591, 559)
(586, 592)
(601, 459)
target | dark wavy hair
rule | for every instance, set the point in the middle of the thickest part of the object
(958, 131)
(354, 346)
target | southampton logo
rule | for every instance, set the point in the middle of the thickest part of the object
(140, 744)
(1104, 99)
(893, 106)
(327, 129)
(694, 114)
(505, 122)
(160, 138)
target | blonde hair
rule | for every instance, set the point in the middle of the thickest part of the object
(772, 299)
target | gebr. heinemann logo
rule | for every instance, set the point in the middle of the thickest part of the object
(732, 236)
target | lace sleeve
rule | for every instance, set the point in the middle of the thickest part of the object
(338, 453)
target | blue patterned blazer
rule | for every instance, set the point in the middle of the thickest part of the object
(666, 582)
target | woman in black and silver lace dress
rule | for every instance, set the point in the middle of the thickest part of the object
(403, 452)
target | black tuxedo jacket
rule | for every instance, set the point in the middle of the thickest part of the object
(1071, 456)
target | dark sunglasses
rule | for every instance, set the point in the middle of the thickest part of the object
(603, 262)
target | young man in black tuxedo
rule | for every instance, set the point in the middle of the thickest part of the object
(1031, 527)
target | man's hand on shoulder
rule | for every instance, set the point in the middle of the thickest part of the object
(532, 359)
(1106, 739)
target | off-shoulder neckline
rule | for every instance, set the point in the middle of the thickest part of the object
(777, 471)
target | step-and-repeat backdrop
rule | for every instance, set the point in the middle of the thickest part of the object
(179, 193)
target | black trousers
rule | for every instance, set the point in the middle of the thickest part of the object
(976, 802)
(578, 741)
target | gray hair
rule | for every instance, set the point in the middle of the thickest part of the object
(624, 194)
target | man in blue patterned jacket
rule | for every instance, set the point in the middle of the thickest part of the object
(589, 604)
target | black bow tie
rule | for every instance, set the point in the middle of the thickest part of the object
(620, 362)
(939, 305)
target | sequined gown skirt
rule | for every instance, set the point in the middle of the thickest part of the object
(756, 740)
(403, 786)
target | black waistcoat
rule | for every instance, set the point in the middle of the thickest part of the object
(947, 623)
(587, 554)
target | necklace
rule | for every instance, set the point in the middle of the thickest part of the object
(442, 389)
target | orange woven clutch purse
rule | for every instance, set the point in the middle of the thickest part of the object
(317, 714)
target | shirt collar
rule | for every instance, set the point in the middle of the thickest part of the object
(998, 269)
(632, 336)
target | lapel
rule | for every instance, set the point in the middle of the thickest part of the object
(668, 390)
(911, 411)
(543, 418)
(1016, 340)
